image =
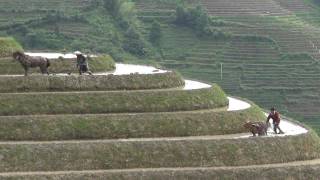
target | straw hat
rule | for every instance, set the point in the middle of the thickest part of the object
(77, 53)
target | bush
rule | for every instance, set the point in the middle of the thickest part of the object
(217, 33)
(257, 38)
(296, 56)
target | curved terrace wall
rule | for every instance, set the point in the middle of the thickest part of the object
(155, 153)
(111, 101)
(295, 171)
(108, 126)
(170, 128)
(90, 83)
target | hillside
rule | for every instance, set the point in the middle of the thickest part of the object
(267, 51)
(271, 56)
(96, 26)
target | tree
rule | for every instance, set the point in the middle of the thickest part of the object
(56, 29)
(193, 17)
(155, 33)
(31, 39)
(113, 6)
(127, 11)
(180, 15)
(133, 43)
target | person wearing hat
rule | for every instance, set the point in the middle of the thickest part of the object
(82, 63)
(275, 116)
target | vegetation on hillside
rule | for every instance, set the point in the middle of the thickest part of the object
(102, 27)
(316, 1)
(155, 33)
(271, 59)
(198, 19)
(8, 45)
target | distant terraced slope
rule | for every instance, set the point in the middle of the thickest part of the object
(17, 11)
(69, 25)
(282, 71)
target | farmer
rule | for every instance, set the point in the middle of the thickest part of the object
(275, 116)
(82, 63)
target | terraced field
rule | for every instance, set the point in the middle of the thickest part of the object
(273, 55)
(16, 11)
(112, 125)
(278, 67)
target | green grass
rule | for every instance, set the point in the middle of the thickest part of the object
(102, 63)
(111, 102)
(153, 154)
(113, 126)
(43, 83)
(8, 45)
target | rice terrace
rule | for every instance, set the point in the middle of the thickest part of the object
(160, 89)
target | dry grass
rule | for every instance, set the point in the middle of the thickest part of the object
(89, 83)
(299, 172)
(111, 102)
(102, 63)
(154, 154)
(112, 126)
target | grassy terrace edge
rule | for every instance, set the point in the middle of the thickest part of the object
(96, 102)
(114, 154)
(41, 83)
(8, 45)
(300, 172)
(102, 63)
(113, 126)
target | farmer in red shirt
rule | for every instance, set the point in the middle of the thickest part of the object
(275, 116)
